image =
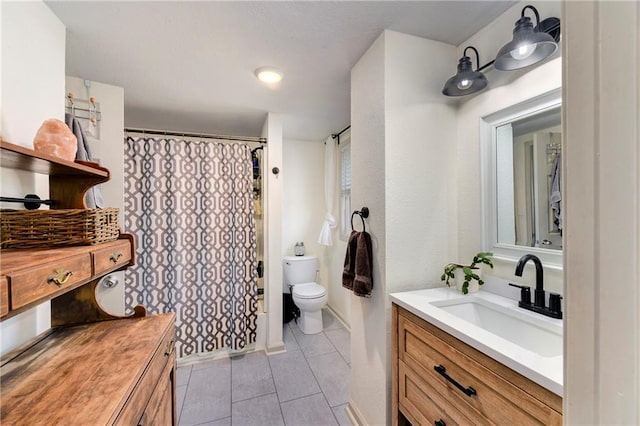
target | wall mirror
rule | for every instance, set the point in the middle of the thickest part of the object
(522, 180)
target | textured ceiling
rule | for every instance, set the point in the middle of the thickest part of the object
(188, 66)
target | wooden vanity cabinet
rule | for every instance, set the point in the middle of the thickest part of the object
(90, 368)
(437, 379)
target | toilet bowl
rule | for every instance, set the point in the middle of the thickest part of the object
(309, 296)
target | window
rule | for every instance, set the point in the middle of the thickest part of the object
(345, 186)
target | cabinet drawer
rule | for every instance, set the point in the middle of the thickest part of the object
(4, 296)
(495, 398)
(42, 281)
(111, 257)
(424, 405)
(134, 411)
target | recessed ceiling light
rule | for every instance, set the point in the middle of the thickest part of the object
(269, 75)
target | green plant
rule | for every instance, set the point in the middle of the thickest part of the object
(467, 270)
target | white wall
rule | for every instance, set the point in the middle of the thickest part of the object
(505, 89)
(273, 208)
(108, 150)
(31, 93)
(304, 208)
(303, 215)
(602, 240)
(369, 359)
(401, 140)
(339, 297)
(303, 199)
(537, 81)
(420, 174)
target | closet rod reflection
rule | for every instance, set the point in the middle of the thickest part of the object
(196, 135)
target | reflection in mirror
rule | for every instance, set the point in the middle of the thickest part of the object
(528, 181)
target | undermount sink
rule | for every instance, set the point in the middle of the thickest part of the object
(520, 327)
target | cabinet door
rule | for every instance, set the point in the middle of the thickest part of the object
(161, 408)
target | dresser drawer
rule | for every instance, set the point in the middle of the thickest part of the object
(39, 282)
(423, 405)
(114, 256)
(4, 296)
(489, 395)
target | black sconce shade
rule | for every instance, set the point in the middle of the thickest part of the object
(466, 80)
(528, 45)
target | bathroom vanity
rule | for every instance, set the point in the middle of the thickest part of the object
(449, 371)
(91, 367)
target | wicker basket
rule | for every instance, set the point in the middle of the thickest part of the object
(48, 228)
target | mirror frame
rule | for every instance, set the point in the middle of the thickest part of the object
(488, 126)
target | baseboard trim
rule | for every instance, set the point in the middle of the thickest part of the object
(338, 317)
(275, 350)
(219, 354)
(355, 416)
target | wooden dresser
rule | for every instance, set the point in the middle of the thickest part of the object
(90, 368)
(439, 380)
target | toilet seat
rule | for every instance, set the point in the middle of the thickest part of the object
(308, 291)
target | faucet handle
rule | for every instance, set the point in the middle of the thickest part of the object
(554, 303)
(525, 294)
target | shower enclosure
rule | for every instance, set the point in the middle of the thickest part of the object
(192, 206)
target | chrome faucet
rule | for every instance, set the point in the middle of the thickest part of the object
(539, 302)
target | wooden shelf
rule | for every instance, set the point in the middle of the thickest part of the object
(91, 367)
(21, 158)
(68, 180)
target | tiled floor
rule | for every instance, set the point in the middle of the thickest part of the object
(307, 385)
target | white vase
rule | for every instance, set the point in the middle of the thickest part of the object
(474, 286)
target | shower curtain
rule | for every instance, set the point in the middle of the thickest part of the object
(190, 206)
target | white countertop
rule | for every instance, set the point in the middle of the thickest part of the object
(546, 371)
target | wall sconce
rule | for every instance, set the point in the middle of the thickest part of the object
(466, 80)
(529, 46)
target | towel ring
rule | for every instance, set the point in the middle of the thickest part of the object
(363, 213)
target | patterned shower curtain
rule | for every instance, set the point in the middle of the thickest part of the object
(189, 205)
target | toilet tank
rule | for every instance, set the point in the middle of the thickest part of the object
(299, 269)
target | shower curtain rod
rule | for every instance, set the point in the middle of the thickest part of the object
(196, 135)
(337, 135)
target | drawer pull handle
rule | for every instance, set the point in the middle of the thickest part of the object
(170, 348)
(60, 277)
(115, 256)
(443, 372)
(439, 423)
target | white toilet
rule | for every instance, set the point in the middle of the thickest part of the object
(309, 296)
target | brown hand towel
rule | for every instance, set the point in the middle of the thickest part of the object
(349, 270)
(363, 282)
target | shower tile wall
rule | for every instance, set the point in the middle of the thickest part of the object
(309, 384)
